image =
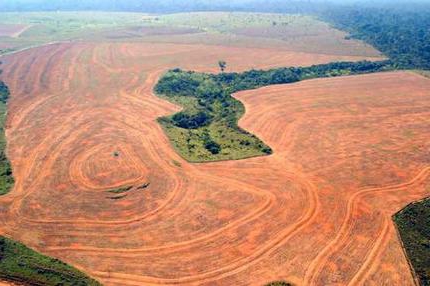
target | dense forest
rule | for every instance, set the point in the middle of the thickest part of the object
(210, 113)
(401, 34)
(6, 178)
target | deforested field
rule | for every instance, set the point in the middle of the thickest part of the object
(99, 185)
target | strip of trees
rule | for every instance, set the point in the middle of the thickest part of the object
(6, 177)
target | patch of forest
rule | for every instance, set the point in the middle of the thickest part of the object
(413, 224)
(207, 129)
(403, 35)
(20, 264)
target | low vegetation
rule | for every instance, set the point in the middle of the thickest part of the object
(20, 264)
(46, 27)
(425, 73)
(279, 283)
(6, 178)
(121, 190)
(119, 193)
(143, 186)
(207, 130)
(413, 224)
(225, 22)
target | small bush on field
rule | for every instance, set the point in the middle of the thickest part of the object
(279, 283)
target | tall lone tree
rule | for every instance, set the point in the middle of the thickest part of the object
(222, 65)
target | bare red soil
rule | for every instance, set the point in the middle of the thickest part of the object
(349, 152)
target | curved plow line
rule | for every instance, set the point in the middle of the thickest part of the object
(235, 267)
(318, 263)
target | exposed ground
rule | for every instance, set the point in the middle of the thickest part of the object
(296, 33)
(82, 130)
(349, 152)
(23, 30)
(423, 72)
(10, 30)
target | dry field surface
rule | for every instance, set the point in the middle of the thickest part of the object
(144, 32)
(4, 283)
(349, 152)
(12, 30)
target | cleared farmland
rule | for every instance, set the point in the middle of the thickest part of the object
(297, 33)
(82, 121)
(12, 30)
(300, 33)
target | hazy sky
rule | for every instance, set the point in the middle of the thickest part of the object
(161, 5)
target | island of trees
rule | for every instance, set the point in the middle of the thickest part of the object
(207, 130)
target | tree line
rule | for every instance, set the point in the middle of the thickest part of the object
(403, 35)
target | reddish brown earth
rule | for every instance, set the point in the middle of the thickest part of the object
(349, 152)
(5, 283)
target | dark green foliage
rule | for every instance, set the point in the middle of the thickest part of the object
(20, 264)
(222, 65)
(121, 190)
(118, 197)
(200, 85)
(259, 78)
(208, 87)
(210, 144)
(279, 283)
(401, 34)
(4, 92)
(413, 223)
(210, 110)
(144, 186)
(6, 178)
(191, 121)
(177, 82)
(213, 147)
